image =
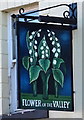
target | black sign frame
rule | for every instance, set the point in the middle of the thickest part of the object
(18, 60)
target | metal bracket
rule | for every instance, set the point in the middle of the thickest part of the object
(69, 16)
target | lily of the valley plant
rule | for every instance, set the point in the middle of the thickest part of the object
(42, 66)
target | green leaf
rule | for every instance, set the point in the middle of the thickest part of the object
(45, 64)
(64, 68)
(58, 76)
(59, 61)
(45, 76)
(34, 72)
(27, 37)
(25, 62)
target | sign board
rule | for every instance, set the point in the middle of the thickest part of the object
(45, 76)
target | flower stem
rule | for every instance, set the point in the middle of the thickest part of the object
(45, 79)
(45, 89)
(34, 85)
(56, 89)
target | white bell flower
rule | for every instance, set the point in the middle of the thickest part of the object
(35, 41)
(53, 42)
(38, 35)
(33, 33)
(54, 50)
(53, 33)
(49, 35)
(42, 48)
(46, 51)
(56, 39)
(43, 52)
(44, 44)
(30, 52)
(44, 41)
(47, 47)
(36, 54)
(56, 54)
(47, 55)
(30, 37)
(50, 38)
(30, 44)
(48, 31)
(58, 50)
(58, 45)
(35, 47)
(54, 62)
(43, 56)
(39, 30)
(31, 59)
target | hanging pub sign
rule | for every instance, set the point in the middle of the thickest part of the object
(45, 79)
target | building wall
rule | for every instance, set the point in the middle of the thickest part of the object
(10, 4)
(4, 84)
(6, 7)
(82, 59)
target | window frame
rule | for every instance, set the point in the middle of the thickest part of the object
(12, 73)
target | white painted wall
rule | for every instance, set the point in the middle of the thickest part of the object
(83, 59)
(4, 83)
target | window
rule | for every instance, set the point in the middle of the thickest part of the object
(12, 52)
(12, 60)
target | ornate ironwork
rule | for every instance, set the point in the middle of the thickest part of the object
(66, 14)
(21, 10)
(69, 16)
